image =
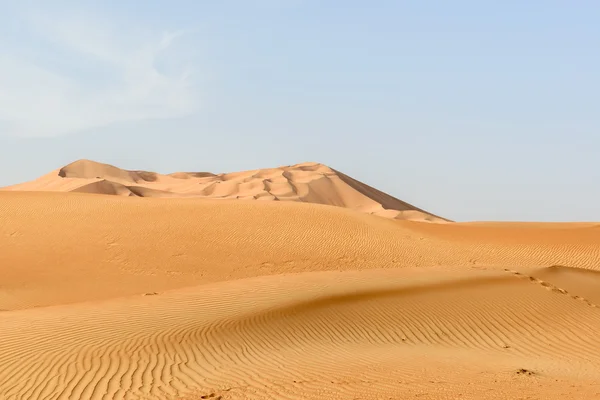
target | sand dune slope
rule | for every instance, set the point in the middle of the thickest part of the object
(66, 247)
(126, 297)
(308, 182)
(371, 334)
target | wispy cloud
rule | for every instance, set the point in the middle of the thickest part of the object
(67, 72)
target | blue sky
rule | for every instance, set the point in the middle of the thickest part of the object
(472, 110)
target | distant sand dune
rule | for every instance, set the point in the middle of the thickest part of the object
(308, 182)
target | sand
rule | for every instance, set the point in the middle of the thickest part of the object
(178, 296)
(307, 182)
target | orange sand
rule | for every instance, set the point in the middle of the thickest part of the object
(192, 296)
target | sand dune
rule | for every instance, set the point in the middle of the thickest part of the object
(366, 334)
(96, 247)
(136, 296)
(308, 182)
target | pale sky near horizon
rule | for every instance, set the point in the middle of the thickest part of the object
(472, 110)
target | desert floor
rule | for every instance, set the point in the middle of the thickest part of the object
(124, 297)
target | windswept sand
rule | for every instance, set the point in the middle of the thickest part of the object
(128, 297)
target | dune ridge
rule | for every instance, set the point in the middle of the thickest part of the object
(306, 182)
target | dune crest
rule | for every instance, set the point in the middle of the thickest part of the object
(306, 182)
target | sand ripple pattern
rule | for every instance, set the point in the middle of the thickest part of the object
(265, 337)
(58, 248)
(113, 297)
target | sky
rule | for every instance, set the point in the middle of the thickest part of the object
(472, 110)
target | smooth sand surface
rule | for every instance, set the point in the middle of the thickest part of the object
(128, 297)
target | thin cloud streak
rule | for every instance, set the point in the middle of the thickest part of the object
(65, 73)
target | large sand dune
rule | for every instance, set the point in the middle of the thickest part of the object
(128, 297)
(308, 182)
